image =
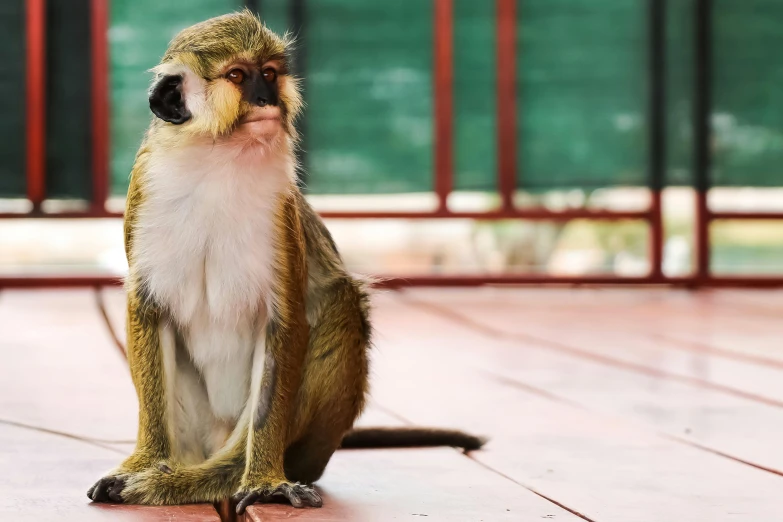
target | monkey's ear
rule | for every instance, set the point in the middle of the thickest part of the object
(166, 100)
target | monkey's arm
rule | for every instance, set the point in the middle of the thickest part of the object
(146, 365)
(285, 346)
(145, 356)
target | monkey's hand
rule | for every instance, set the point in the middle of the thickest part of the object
(299, 495)
(108, 488)
(114, 487)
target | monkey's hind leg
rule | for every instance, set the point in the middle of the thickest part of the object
(334, 383)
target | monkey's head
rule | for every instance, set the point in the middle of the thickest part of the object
(226, 77)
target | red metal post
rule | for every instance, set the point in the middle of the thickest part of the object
(657, 129)
(702, 95)
(99, 26)
(443, 37)
(656, 236)
(702, 239)
(506, 101)
(36, 102)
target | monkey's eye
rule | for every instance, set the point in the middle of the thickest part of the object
(236, 76)
(269, 74)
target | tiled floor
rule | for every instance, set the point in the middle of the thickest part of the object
(601, 405)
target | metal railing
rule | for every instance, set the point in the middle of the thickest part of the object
(507, 151)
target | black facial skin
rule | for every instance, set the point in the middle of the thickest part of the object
(166, 100)
(258, 91)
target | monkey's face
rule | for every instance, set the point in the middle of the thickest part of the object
(227, 78)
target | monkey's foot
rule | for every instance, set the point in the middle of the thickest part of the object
(299, 495)
(108, 489)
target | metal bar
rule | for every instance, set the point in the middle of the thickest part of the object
(657, 134)
(506, 101)
(297, 12)
(99, 27)
(523, 279)
(600, 280)
(546, 280)
(656, 238)
(443, 40)
(89, 214)
(702, 97)
(745, 215)
(52, 281)
(35, 79)
(742, 282)
(464, 281)
(456, 280)
(702, 233)
(253, 5)
(532, 214)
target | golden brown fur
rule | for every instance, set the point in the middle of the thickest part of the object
(315, 374)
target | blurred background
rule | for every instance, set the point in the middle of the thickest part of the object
(445, 141)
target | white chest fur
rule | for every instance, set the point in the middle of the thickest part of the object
(204, 248)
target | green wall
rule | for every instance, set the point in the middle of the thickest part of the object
(12, 99)
(582, 80)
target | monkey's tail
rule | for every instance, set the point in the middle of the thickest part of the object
(366, 438)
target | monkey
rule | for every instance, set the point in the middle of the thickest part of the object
(247, 338)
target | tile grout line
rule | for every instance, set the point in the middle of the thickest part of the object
(101, 443)
(681, 344)
(752, 308)
(532, 490)
(689, 346)
(675, 438)
(555, 398)
(686, 345)
(545, 344)
(466, 455)
(101, 304)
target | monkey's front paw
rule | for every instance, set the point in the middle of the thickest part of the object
(299, 495)
(108, 489)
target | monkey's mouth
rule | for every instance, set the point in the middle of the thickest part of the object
(264, 115)
(260, 123)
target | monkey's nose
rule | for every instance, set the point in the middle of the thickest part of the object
(261, 101)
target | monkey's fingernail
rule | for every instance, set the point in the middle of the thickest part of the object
(295, 499)
(312, 497)
(164, 468)
(249, 499)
